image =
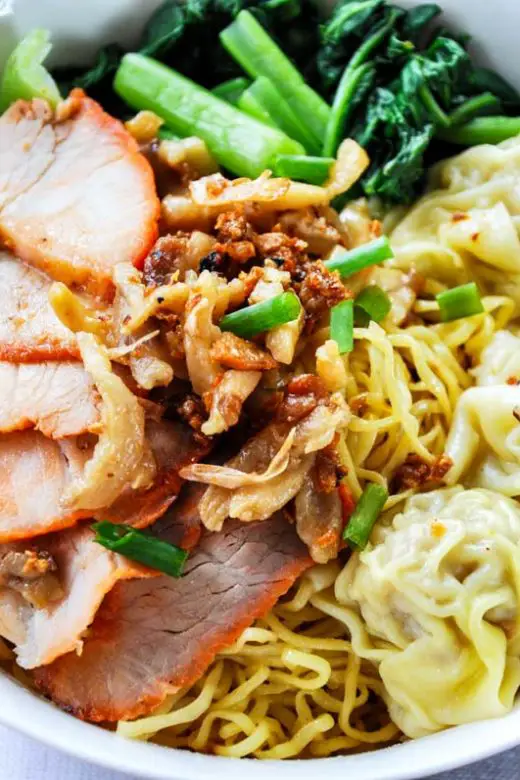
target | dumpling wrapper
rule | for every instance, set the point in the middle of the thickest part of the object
(439, 596)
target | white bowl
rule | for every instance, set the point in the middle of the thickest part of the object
(78, 27)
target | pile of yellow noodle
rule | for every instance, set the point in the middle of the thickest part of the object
(291, 686)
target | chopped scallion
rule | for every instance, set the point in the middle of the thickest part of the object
(342, 325)
(365, 515)
(462, 301)
(372, 303)
(141, 547)
(262, 316)
(361, 257)
(313, 170)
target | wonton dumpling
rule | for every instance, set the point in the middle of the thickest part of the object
(500, 361)
(484, 439)
(439, 596)
(468, 227)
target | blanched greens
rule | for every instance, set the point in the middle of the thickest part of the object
(398, 85)
(184, 34)
(401, 86)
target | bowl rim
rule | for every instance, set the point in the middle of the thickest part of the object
(28, 713)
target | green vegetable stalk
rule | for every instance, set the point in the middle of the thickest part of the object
(313, 170)
(250, 45)
(482, 130)
(243, 145)
(266, 96)
(24, 76)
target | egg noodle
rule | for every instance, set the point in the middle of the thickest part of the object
(292, 685)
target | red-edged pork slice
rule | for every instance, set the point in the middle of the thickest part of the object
(153, 637)
(86, 572)
(58, 399)
(29, 329)
(76, 195)
(35, 472)
(174, 446)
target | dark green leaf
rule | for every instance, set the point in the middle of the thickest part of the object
(417, 20)
(485, 80)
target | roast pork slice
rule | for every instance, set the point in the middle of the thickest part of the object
(29, 329)
(153, 637)
(58, 399)
(76, 195)
(85, 572)
(174, 445)
(35, 472)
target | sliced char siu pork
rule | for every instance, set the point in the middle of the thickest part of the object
(35, 472)
(27, 458)
(29, 329)
(76, 195)
(58, 399)
(150, 638)
(51, 589)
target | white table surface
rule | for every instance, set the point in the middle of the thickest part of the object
(23, 759)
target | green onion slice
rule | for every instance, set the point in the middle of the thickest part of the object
(24, 76)
(462, 301)
(365, 515)
(372, 303)
(141, 547)
(342, 325)
(313, 170)
(361, 257)
(262, 316)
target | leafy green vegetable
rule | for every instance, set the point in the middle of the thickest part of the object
(266, 96)
(238, 142)
(250, 44)
(399, 86)
(232, 89)
(24, 75)
(184, 34)
(313, 170)
(483, 130)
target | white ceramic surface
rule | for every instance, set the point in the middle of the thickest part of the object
(79, 26)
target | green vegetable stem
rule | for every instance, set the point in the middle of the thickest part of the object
(24, 76)
(265, 95)
(238, 142)
(365, 515)
(372, 303)
(342, 325)
(263, 316)
(364, 256)
(482, 130)
(231, 90)
(250, 45)
(141, 547)
(313, 170)
(462, 301)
